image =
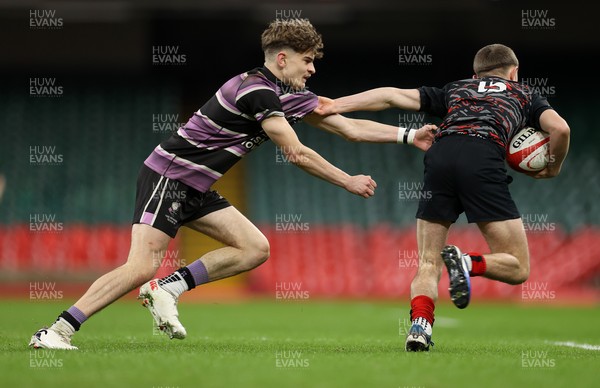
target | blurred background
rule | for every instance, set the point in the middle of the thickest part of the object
(89, 88)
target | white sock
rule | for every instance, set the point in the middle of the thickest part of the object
(424, 324)
(469, 262)
(173, 284)
(61, 325)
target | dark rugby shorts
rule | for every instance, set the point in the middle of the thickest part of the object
(167, 204)
(466, 174)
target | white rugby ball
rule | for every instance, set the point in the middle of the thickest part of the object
(529, 150)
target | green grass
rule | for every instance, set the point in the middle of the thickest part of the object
(334, 344)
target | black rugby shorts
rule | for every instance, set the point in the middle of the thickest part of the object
(167, 204)
(466, 174)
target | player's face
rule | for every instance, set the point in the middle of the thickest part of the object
(298, 68)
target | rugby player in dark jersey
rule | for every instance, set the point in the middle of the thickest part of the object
(465, 172)
(249, 109)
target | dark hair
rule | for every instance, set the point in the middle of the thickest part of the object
(494, 57)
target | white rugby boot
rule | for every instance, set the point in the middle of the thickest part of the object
(163, 307)
(53, 337)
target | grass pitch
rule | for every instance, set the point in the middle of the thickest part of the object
(306, 344)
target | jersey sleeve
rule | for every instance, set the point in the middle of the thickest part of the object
(433, 101)
(259, 101)
(539, 104)
(301, 104)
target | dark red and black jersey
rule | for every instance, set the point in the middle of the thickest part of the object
(490, 107)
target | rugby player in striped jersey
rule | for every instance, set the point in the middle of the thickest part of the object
(252, 107)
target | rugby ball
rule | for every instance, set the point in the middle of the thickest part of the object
(529, 150)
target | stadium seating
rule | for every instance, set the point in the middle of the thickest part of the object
(352, 247)
(349, 262)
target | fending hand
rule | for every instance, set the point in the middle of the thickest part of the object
(325, 107)
(424, 137)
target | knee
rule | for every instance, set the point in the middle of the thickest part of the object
(141, 269)
(257, 253)
(140, 274)
(521, 273)
(521, 276)
(145, 273)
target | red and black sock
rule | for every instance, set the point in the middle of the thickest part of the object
(478, 265)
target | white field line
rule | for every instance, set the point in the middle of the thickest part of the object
(575, 345)
(446, 322)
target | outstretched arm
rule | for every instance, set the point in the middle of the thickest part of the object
(372, 100)
(370, 131)
(560, 134)
(282, 134)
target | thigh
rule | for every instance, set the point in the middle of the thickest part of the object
(229, 227)
(506, 237)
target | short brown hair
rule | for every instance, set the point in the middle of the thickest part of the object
(494, 57)
(297, 34)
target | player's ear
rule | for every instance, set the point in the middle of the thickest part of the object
(513, 75)
(475, 76)
(281, 59)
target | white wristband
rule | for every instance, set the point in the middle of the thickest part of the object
(411, 136)
(401, 132)
(405, 135)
